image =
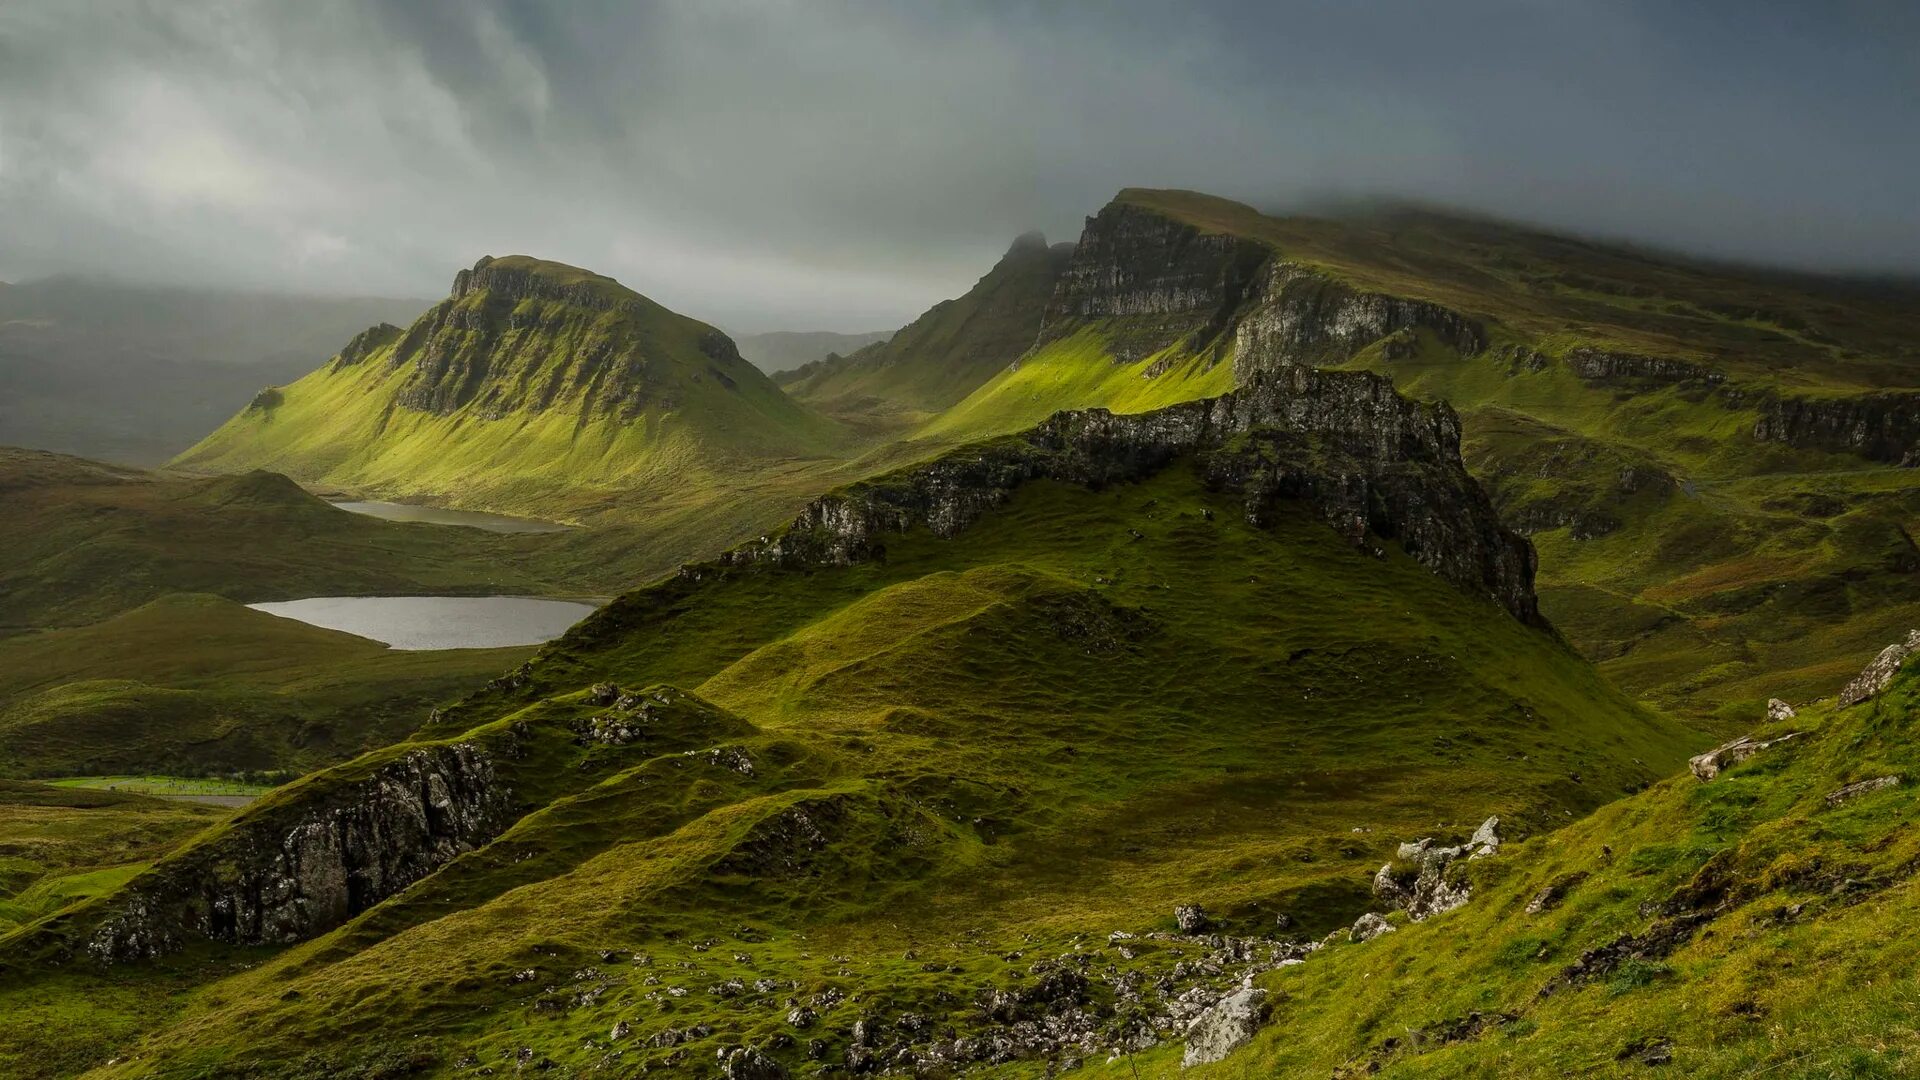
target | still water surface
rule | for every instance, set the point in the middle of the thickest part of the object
(437, 622)
(501, 523)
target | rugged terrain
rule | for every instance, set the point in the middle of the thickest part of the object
(1063, 681)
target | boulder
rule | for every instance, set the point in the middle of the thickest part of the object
(1778, 710)
(1230, 1024)
(1419, 881)
(1725, 756)
(1190, 918)
(1875, 677)
(1369, 926)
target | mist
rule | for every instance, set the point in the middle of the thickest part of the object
(843, 165)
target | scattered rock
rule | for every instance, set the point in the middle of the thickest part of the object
(1778, 710)
(1230, 1024)
(620, 1031)
(1190, 918)
(1875, 677)
(1725, 756)
(1855, 790)
(1369, 926)
(746, 1063)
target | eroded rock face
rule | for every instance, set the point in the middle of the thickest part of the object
(1231, 1023)
(1863, 787)
(1878, 674)
(1303, 316)
(1371, 463)
(1881, 426)
(1637, 370)
(274, 879)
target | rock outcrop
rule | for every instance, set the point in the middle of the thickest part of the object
(1883, 426)
(1728, 754)
(1231, 1023)
(366, 343)
(1878, 674)
(1613, 368)
(1862, 787)
(1304, 316)
(1370, 462)
(1369, 926)
(283, 873)
(1421, 879)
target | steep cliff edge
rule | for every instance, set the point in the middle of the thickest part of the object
(1372, 463)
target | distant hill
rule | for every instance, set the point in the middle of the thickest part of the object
(530, 383)
(137, 373)
(946, 353)
(784, 350)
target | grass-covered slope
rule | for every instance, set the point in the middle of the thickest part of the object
(533, 386)
(1759, 924)
(942, 356)
(1706, 455)
(888, 782)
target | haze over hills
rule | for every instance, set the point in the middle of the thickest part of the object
(137, 373)
(784, 350)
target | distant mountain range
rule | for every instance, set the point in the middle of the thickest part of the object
(137, 373)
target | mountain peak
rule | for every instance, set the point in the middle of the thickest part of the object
(1033, 240)
(521, 276)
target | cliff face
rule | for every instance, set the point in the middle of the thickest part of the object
(1880, 427)
(1368, 461)
(275, 878)
(1154, 282)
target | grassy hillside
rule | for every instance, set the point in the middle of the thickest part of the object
(1704, 454)
(534, 388)
(940, 358)
(1088, 707)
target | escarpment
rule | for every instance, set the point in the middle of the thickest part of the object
(1880, 427)
(284, 873)
(1154, 281)
(1368, 461)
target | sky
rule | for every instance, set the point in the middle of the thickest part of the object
(843, 165)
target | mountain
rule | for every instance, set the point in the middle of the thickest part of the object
(940, 358)
(784, 350)
(905, 762)
(136, 373)
(531, 383)
(1707, 455)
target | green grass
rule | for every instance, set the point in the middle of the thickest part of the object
(165, 785)
(1045, 724)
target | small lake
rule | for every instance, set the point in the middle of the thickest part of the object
(437, 622)
(434, 515)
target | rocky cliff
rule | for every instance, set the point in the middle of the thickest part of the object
(1880, 427)
(285, 873)
(1368, 461)
(1153, 281)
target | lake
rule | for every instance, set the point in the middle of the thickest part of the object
(434, 515)
(437, 622)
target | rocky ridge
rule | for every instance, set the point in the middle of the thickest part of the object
(277, 878)
(1373, 464)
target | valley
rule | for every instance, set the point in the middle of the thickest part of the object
(1221, 616)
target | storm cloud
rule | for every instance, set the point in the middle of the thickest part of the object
(840, 164)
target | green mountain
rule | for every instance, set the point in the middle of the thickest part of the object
(940, 358)
(1707, 456)
(904, 762)
(533, 386)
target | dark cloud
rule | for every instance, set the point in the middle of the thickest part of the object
(843, 164)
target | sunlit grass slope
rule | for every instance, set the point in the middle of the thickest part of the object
(1084, 709)
(530, 389)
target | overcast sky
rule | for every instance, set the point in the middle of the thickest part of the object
(843, 165)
